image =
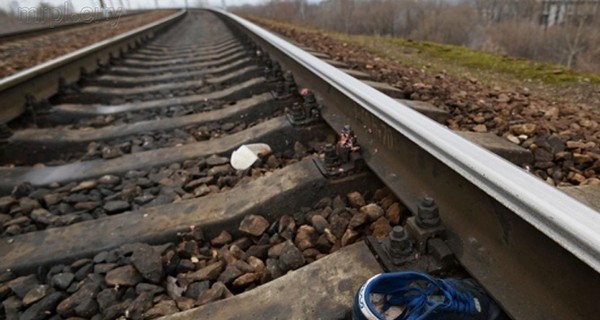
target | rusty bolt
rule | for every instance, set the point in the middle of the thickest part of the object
(290, 83)
(331, 156)
(310, 102)
(279, 88)
(298, 112)
(400, 245)
(428, 215)
(276, 70)
(309, 97)
(289, 77)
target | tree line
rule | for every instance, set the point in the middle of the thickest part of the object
(563, 32)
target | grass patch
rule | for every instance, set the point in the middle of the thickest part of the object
(523, 69)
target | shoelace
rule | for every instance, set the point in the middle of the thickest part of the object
(461, 302)
(403, 289)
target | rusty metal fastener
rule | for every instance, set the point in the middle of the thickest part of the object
(428, 215)
(309, 98)
(310, 103)
(331, 156)
(290, 83)
(298, 112)
(400, 245)
(276, 70)
(267, 71)
(279, 88)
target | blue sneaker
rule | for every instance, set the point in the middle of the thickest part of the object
(416, 296)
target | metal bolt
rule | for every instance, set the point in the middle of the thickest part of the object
(298, 112)
(314, 113)
(290, 83)
(267, 71)
(276, 70)
(400, 245)
(279, 88)
(331, 156)
(278, 77)
(310, 102)
(288, 76)
(291, 88)
(310, 97)
(428, 215)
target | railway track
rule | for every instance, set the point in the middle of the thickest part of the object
(79, 20)
(120, 197)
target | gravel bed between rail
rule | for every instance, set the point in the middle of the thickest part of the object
(140, 281)
(29, 208)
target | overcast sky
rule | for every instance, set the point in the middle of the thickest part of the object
(135, 4)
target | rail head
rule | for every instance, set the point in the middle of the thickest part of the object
(518, 197)
(42, 80)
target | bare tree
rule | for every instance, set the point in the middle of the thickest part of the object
(514, 27)
(452, 25)
(346, 8)
(576, 33)
(301, 9)
(575, 44)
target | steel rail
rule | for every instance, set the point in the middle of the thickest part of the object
(42, 81)
(534, 248)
